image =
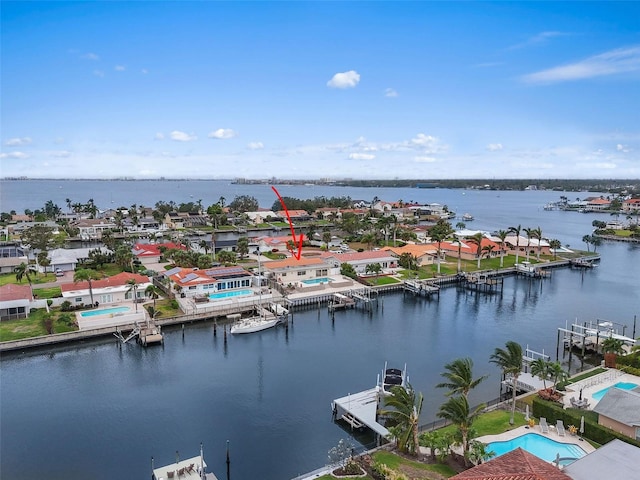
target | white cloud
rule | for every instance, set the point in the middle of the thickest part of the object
(361, 156)
(622, 148)
(344, 80)
(61, 154)
(18, 142)
(179, 136)
(621, 60)
(159, 136)
(119, 68)
(98, 73)
(255, 146)
(223, 134)
(90, 56)
(18, 155)
(390, 92)
(600, 165)
(426, 142)
(538, 39)
(423, 159)
(494, 147)
(144, 71)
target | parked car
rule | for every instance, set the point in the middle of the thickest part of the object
(59, 273)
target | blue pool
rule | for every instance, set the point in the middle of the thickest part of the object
(540, 446)
(104, 311)
(315, 281)
(622, 385)
(229, 294)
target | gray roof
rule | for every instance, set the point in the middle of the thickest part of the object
(616, 459)
(620, 405)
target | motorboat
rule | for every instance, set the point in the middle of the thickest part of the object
(188, 469)
(393, 377)
(467, 217)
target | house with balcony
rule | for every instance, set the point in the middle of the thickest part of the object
(194, 282)
(631, 206)
(92, 228)
(292, 270)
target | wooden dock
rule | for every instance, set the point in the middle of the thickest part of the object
(361, 409)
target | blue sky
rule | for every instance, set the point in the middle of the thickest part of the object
(320, 89)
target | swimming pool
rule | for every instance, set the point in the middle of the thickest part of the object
(541, 447)
(621, 385)
(314, 281)
(231, 293)
(104, 311)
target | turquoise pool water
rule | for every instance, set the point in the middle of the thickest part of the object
(315, 281)
(622, 385)
(231, 293)
(540, 446)
(104, 311)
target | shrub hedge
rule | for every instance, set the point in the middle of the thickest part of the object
(592, 430)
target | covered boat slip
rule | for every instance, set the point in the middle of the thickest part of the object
(362, 407)
(188, 469)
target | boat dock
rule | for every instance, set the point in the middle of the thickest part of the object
(590, 335)
(421, 288)
(360, 410)
(341, 302)
(487, 281)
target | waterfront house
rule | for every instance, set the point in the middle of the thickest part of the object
(110, 290)
(425, 254)
(597, 204)
(193, 282)
(360, 260)
(294, 215)
(18, 228)
(291, 270)
(632, 206)
(182, 220)
(468, 250)
(261, 216)
(276, 244)
(619, 410)
(67, 259)
(533, 244)
(15, 301)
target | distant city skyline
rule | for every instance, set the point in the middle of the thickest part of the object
(308, 90)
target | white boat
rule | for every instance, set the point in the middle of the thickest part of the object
(467, 217)
(257, 323)
(393, 377)
(527, 269)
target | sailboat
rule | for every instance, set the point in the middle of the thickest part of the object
(263, 319)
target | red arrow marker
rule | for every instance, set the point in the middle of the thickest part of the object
(298, 251)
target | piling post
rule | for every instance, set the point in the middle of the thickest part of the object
(228, 462)
(215, 328)
(183, 330)
(225, 334)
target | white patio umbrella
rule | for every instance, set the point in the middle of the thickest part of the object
(582, 425)
(526, 413)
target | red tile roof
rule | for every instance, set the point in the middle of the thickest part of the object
(292, 262)
(12, 291)
(517, 464)
(153, 249)
(115, 281)
(356, 256)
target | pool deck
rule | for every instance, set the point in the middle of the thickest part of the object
(553, 435)
(594, 384)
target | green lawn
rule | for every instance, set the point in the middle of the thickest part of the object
(491, 423)
(383, 281)
(7, 278)
(34, 325)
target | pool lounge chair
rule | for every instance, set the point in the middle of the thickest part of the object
(543, 425)
(560, 428)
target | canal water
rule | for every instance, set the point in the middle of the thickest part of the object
(99, 410)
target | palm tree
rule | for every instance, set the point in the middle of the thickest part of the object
(612, 347)
(538, 236)
(502, 235)
(405, 415)
(530, 234)
(456, 410)
(541, 369)
(510, 362)
(152, 292)
(24, 270)
(477, 241)
(587, 239)
(438, 233)
(374, 268)
(557, 373)
(516, 232)
(86, 275)
(478, 452)
(555, 244)
(133, 288)
(459, 375)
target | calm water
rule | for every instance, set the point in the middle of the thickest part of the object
(95, 410)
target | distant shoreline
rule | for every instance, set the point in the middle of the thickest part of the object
(561, 185)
